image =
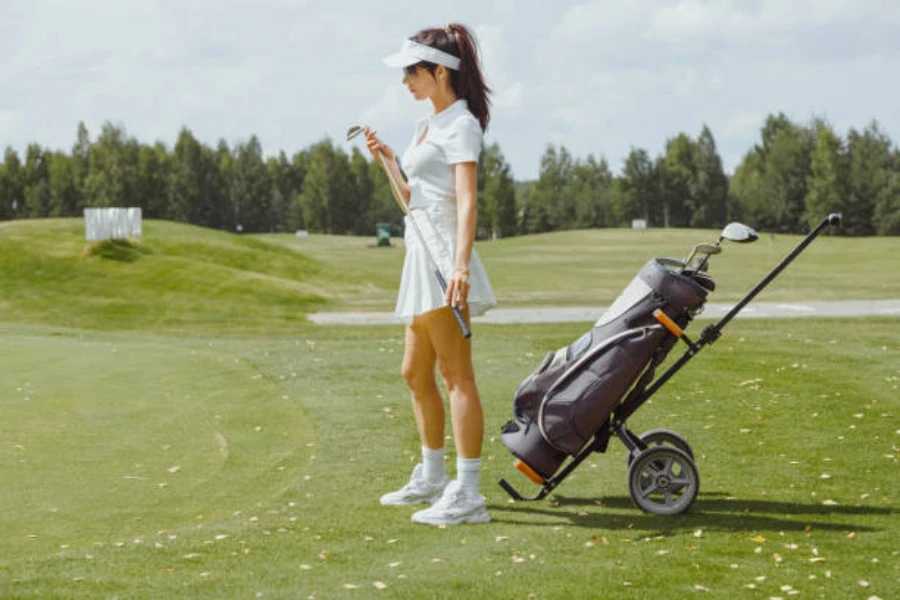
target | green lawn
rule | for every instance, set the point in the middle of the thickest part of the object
(225, 448)
(590, 267)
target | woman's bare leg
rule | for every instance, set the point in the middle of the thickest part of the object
(418, 370)
(454, 358)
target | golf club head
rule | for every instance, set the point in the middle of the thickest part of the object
(705, 250)
(708, 249)
(738, 232)
(355, 131)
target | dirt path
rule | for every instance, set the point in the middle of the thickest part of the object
(758, 310)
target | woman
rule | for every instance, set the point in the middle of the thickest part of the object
(441, 65)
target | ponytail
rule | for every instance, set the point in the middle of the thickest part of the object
(467, 82)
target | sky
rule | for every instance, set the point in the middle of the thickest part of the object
(596, 77)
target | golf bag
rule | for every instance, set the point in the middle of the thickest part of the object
(573, 392)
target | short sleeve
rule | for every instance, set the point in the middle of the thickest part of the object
(463, 141)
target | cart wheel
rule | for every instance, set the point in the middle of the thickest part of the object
(664, 437)
(663, 480)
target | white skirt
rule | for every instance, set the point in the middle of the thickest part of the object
(419, 288)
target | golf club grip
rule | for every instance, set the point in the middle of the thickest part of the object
(463, 326)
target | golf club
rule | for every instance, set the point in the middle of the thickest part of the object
(354, 131)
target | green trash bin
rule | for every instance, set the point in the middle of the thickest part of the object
(383, 234)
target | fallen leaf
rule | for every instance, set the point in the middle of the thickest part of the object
(380, 585)
(863, 583)
(829, 502)
(759, 539)
(351, 586)
(852, 535)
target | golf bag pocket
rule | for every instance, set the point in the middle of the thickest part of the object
(575, 408)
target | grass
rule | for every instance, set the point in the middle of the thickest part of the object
(179, 278)
(170, 466)
(590, 267)
(201, 457)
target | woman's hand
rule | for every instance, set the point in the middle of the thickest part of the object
(375, 147)
(458, 288)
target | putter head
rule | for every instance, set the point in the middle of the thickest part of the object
(355, 131)
(738, 232)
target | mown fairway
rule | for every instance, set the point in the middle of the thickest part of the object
(223, 448)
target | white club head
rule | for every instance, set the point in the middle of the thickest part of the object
(738, 232)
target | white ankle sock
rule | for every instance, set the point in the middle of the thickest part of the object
(433, 464)
(468, 473)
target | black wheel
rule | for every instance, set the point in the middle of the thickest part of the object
(664, 437)
(663, 480)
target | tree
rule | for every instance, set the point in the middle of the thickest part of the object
(112, 169)
(784, 185)
(869, 174)
(328, 197)
(153, 180)
(637, 190)
(252, 187)
(81, 156)
(826, 183)
(677, 174)
(887, 202)
(709, 190)
(12, 186)
(549, 208)
(362, 192)
(65, 197)
(497, 195)
(37, 184)
(590, 189)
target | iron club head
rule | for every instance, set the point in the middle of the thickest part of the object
(355, 131)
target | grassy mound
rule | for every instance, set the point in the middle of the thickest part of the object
(178, 277)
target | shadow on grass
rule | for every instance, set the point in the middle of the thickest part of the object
(711, 511)
(119, 250)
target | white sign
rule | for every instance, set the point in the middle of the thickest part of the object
(639, 223)
(112, 223)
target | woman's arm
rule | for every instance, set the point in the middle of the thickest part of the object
(467, 213)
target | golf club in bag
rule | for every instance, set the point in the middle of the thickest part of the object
(583, 394)
(354, 131)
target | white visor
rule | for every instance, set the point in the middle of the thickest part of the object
(412, 52)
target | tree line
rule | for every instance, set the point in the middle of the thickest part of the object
(796, 174)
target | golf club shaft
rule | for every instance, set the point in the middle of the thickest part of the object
(442, 281)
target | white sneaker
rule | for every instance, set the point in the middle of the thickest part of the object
(454, 507)
(417, 491)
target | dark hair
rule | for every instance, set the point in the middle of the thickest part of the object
(467, 82)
